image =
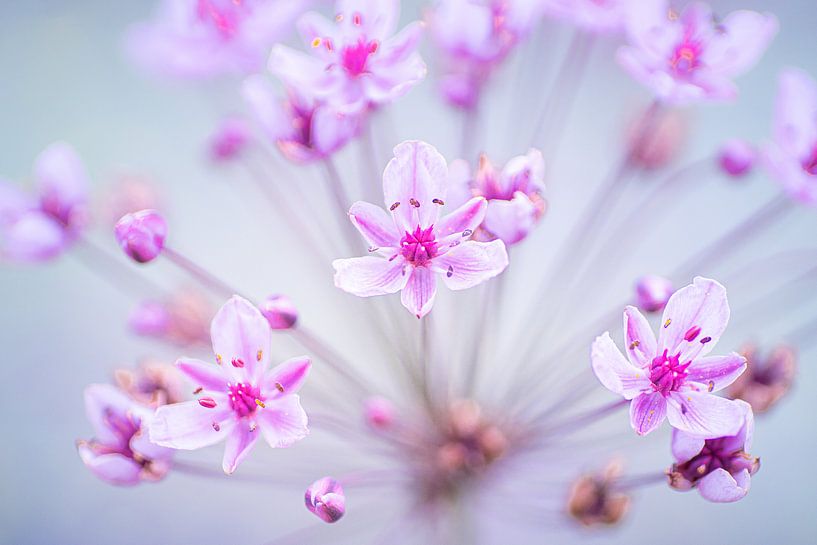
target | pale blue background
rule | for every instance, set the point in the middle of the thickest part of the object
(64, 77)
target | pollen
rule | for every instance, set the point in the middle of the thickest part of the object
(634, 344)
(316, 42)
(198, 390)
(259, 355)
(414, 202)
(438, 201)
(394, 206)
(279, 387)
(667, 323)
(260, 403)
(219, 359)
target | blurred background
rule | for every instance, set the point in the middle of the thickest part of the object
(62, 325)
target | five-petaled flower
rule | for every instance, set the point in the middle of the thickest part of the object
(121, 453)
(673, 377)
(355, 63)
(514, 194)
(237, 397)
(415, 242)
(720, 468)
(791, 157)
(690, 56)
(40, 227)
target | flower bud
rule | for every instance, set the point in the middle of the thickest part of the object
(141, 235)
(766, 379)
(667, 134)
(326, 500)
(379, 412)
(229, 140)
(652, 292)
(594, 501)
(736, 158)
(279, 311)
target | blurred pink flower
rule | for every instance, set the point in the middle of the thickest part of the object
(356, 63)
(121, 452)
(691, 57)
(204, 38)
(229, 140)
(238, 396)
(514, 195)
(303, 129)
(182, 319)
(152, 383)
(719, 468)
(672, 377)
(38, 227)
(791, 156)
(414, 243)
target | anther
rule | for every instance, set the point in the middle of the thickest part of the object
(634, 344)
(259, 355)
(207, 402)
(279, 387)
(238, 362)
(706, 340)
(450, 271)
(692, 334)
(216, 426)
(667, 323)
(260, 403)
(373, 249)
(198, 390)
(357, 19)
(219, 360)
(438, 201)
(414, 202)
(316, 42)
(394, 206)
(467, 233)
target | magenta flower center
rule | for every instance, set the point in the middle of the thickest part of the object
(419, 247)
(222, 15)
(686, 57)
(354, 57)
(244, 398)
(667, 374)
(717, 454)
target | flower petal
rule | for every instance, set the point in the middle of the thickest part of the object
(267, 108)
(464, 219)
(369, 275)
(471, 263)
(209, 376)
(240, 441)
(614, 371)
(112, 468)
(704, 414)
(287, 377)
(741, 40)
(795, 130)
(702, 304)
(300, 71)
(34, 237)
(511, 221)
(721, 487)
(374, 224)
(639, 338)
(685, 446)
(101, 401)
(190, 426)
(412, 180)
(283, 421)
(240, 331)
(61, 180)
(647, 411)
(419, 292)
(716, 372)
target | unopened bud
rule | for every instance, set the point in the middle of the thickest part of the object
(141, 235)
(326, 500)
(279, 311)
(652, 292)
(737, 157)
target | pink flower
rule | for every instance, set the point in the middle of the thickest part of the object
(229, 140)
(692, 57)
(416, 243)
(514, 195)
(356, 63)
(719, 468)
(598, 16)
(673, 377)
(141, 235)
(39, 227)
(475, 36)
(325, 498)
(204, 38)
(121, 452)
(182, 319)
(791, 157)
(303, 129)
(237, 396)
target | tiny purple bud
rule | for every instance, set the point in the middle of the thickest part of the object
(149, 319)
(279, 311)
(229, 140)
(737, 157)
(326, 500)
(141, 235)
(379, 412)
(652, 292)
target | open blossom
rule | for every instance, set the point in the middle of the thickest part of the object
(791, 156)
(203, 38)
(355, 62)
(415, 243)
(302, 128)
(672, 377)
(475, 36)
(237, 397)
(514, 194)
(767, 379)
(600, 16)
(690, 56)
(37, 227)
(325, 498)
(121, 452)
(720, 468)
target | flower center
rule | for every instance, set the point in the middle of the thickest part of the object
(686, 57)
(717, 454)
(244, 398)
(223, 15)
(419, 247)
(355, 56)
(667, 374)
